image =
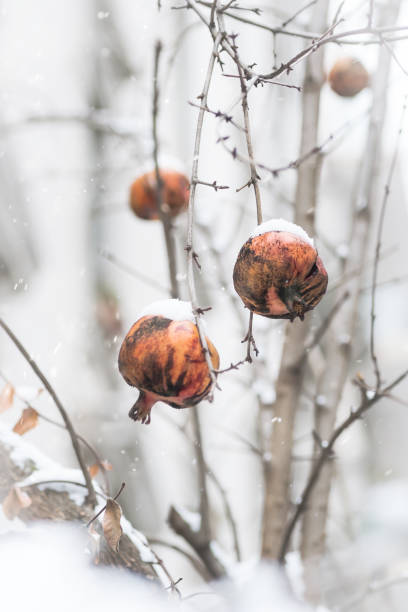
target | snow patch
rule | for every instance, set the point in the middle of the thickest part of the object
(10, 526)
(174, 309)
(263, 588)
(76, 493)
(41, 562)
(192, 518)
(30, 459)
(224, 559)
(22, 453)
(139, 540)
(294, 568)
(281, 225)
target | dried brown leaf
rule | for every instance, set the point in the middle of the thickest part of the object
(93, 470)
(15, 501)
(27, 421)
(111, 524)
(6, 397)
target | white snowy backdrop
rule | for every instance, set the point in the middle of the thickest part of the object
(75, 120)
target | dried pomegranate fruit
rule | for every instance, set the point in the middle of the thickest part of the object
(278, 273)
(162, 356)
(175, 194)
(348, 77)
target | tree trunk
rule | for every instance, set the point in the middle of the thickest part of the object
(290, 379)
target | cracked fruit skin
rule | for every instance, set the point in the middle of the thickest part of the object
(348, 77)
(165, 361)
(279, 275)
(175, 194)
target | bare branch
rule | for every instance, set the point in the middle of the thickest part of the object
(195, 561)
(327, 322)
(378, 249)
(191, 255)
(299, 12)
(326, 452)
(91, 498)
(254, 175)
(228, 512)
(130, 270)
(163, 214)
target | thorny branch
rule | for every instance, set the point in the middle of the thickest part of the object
(244, 91)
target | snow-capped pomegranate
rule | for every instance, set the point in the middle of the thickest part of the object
(348, 77)
(175, 194)
(278, 273)
(162, 356)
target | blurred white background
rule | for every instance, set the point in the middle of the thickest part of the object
(75, 119)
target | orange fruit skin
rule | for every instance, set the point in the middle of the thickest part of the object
(165, 361)
(143, 194)
(279, 275)
(348, 77)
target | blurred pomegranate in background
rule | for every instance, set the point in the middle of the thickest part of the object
(175, 194)
(107, 313)
(348, 77)
(162, 356)
(278, 273)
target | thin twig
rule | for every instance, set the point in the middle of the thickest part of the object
(213, 185)
(59, 481)
(91, 498)
(135, 273)
(326, 322)
(205, 527)
(89, 523)
(173, 583)
(301, 10)
(191, 255)
(377, 252)
(62, 426)
(388, 46)
(195, 561)
(219, 114)
(326, 451)
(163, 214)
(228, 512)
(248, 137)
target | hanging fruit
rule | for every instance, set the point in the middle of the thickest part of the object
(278, 273)
(348, 77)
(174, 196)
(162, 356)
